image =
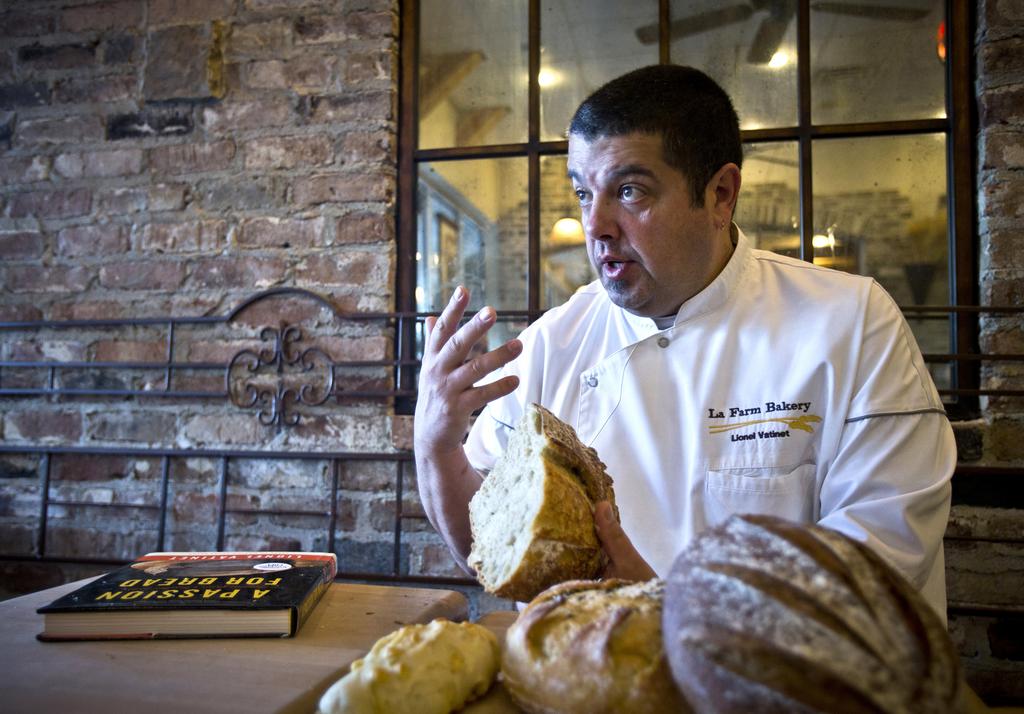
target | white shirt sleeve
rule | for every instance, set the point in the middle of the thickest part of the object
(889, 488)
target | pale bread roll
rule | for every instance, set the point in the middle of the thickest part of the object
(532, 519)
(591, 647)
(418, 669)
(766, 615)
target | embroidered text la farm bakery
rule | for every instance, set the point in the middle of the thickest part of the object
(768, 408)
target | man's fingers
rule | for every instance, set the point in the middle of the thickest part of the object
(626, 561)
(443, 327)
(478, 397)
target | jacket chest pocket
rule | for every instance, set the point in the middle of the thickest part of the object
(784, 491)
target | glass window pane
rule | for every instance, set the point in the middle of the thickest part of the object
(472, 230)
(877, 61)
(880, 210)
(565, 265)
(472, 73)
(768, 210)
(749, 49)
(585, 43)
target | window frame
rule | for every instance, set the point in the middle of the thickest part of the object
(958, 126)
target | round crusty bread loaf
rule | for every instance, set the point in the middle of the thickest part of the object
(418, 669)
(532, 519)
(767, 615)
(588, 647)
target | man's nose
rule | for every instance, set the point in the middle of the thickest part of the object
(600, 221)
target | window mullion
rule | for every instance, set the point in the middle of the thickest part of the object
(803, 58)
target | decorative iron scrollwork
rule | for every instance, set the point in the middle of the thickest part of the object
(279, 380)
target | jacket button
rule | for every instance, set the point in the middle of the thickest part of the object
(663, 342)
(591, 381)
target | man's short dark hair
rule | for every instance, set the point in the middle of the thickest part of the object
(693, 115)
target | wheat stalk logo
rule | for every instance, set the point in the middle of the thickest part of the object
(803, 423)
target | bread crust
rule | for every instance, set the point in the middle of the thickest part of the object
(762, 614)
(563, 543)
(589, 647)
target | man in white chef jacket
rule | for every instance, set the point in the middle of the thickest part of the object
(712, 378)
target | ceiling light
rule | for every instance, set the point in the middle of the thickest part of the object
(567, 231)
(548, 77)
(779, 60)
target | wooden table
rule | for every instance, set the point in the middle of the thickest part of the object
(213, 675)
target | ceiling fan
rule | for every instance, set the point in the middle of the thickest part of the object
(773, 27)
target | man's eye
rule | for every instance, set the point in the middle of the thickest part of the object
(629, 193)
(581, 195)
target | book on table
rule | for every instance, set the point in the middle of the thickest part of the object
(213, 594)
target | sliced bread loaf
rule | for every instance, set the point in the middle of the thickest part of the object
(532, 520)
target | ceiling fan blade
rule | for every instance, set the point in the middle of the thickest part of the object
(695, 24)
(874, 12)
(766, 42)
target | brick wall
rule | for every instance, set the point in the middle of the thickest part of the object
(173, 156)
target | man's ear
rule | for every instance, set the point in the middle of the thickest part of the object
(722, 192)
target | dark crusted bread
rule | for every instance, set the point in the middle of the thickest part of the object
(767, 615)
(590, 647)
(532, 519)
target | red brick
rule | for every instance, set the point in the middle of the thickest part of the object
(59, 130)
(352, 25)
(129, 351)
(110, 239)
(1001, 196)
(401, 432)
(20, 23)
(234, 116)
(193, 507)
(356, 349)
(194, 236)
(235, 272)
(69, 166)
(45, 426)
(37, 57)
(434, 559)
(367, 476)
(350, 268)
(48, 279)
(103, 467)
(1003, 150)
(1003, 105)
(238, 428)
(123, 162)
(192, 158)
(120, 201)
(260, 39)
(24, 169)
(282, 309)
(280, 233)
(103, 16)
(288, 152)
(136, 425)
(221, 350)
(177, 12)
(368, 147)
(343, 188)
(304, 74)
(143, 275)
(374, 66)
(41, 350)
(78, 309)
(18, 312)
(50, 204)
(86, 90)
(365, 228)
(375, 107)
(15, 245)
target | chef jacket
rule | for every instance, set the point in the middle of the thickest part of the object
(782, 388)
